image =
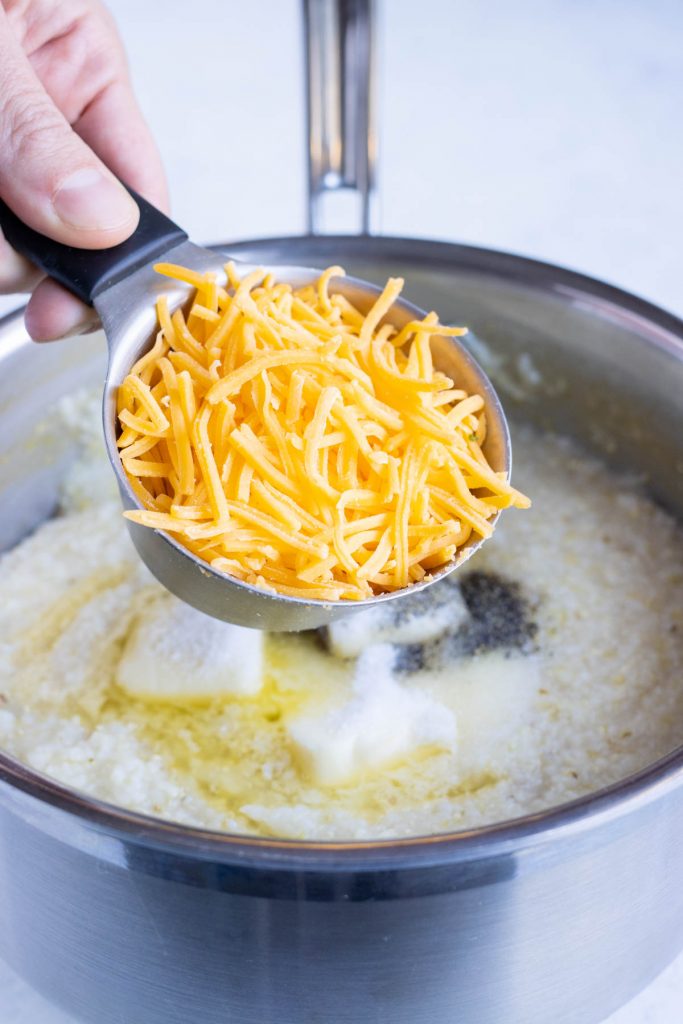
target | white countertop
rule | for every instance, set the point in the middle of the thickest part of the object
(551, 128)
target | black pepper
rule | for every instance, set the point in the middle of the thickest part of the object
(501, 616)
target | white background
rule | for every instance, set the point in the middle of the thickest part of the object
(550, 128)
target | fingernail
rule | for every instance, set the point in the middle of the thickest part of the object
(91, 201)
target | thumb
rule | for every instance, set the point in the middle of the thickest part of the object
(48, 175)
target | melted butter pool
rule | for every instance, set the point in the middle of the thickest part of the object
(235, 752)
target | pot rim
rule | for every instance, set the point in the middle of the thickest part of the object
(656, 325)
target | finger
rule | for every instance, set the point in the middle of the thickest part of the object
(48, 175)
(90, 51)
(16, 273)
(113, 126)
(53, 312)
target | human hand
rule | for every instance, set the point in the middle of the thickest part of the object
(68, 118)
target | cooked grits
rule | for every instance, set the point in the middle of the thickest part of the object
(553, 667)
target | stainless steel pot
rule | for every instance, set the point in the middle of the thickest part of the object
(560, 917)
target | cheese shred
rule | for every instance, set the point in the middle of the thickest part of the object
(301, 446)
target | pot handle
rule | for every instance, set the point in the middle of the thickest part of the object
(340, 55)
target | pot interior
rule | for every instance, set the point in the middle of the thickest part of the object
(567, 354)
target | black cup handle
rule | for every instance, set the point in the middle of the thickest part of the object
(87, 272)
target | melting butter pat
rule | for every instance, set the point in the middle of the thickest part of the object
(176, 653)
(383, 722)
(493, 696)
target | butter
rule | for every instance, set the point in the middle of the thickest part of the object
(176, 653)
(493, 697)
(381, 723)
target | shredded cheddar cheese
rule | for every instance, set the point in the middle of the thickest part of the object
(299, 445)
